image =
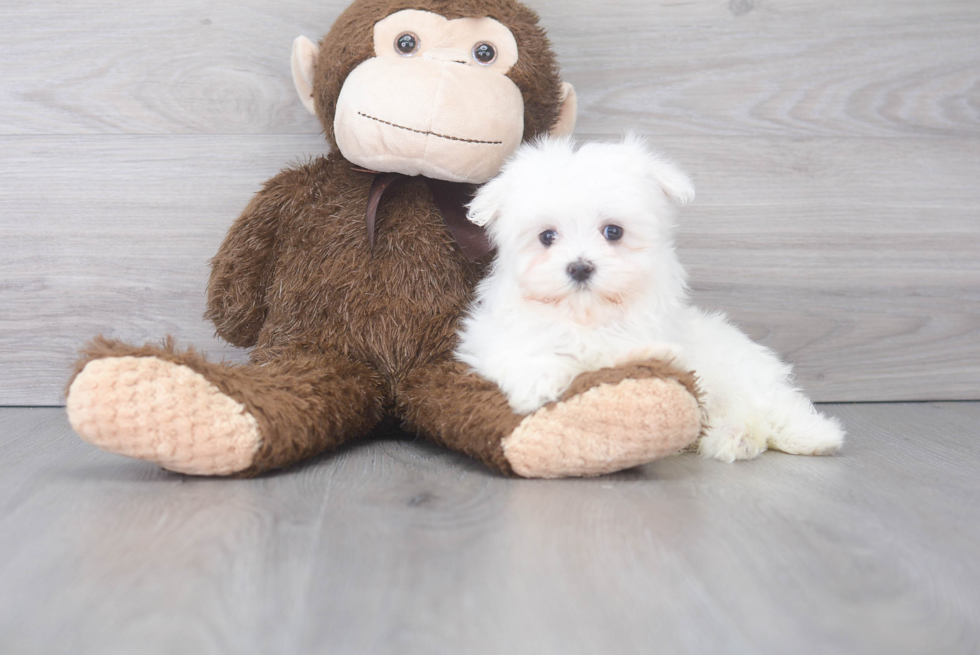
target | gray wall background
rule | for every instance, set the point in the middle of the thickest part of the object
(835, 146)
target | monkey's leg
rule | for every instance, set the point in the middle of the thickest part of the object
(193, 416)
(607, 421)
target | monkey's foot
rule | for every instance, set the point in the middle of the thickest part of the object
(650, 412)
(162, 412)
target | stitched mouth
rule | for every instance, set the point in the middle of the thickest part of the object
(435, 134)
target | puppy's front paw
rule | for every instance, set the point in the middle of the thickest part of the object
(666, 352)
(530, 392)
(730, 441)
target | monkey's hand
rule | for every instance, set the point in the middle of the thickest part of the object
(241, 271)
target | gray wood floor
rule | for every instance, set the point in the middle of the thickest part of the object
(398, 547)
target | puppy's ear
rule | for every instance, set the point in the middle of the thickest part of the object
(675, 184)
(486, 206)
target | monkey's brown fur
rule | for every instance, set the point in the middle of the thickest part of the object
(344, 337)
(297, 279)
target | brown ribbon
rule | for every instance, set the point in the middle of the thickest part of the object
(450, 197)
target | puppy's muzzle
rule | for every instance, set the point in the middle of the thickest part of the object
(581, 271)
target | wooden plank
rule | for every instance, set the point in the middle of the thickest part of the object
(747, 67)
(403, 547)
(113, 236)
(159, 67)
(857, 259)
(851, 257)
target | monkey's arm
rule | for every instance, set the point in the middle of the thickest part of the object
(242, 270)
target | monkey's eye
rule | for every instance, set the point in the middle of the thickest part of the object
(548, 238)
(407, 44)
(612, 232)
(485, 53)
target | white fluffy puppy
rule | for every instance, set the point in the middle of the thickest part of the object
(586, 277)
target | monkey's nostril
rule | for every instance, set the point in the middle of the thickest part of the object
(580, 271)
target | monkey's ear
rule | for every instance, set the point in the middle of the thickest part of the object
(568, 114)
(305, 54)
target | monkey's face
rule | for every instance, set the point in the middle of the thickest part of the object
(434, 88)
(435, 100)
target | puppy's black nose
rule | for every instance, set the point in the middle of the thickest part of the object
(580, 271)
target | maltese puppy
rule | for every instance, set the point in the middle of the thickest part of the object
(586, 277)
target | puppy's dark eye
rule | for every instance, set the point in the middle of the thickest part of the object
(485, 53)
(407, 44)
(548, 237)
(612, 232)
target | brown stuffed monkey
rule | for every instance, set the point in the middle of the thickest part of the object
(348, 276)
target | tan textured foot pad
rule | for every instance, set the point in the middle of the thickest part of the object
(150, 409)
(608, 428)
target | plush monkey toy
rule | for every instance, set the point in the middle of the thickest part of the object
(348, 276)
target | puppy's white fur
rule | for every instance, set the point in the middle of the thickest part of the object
(533, 328)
